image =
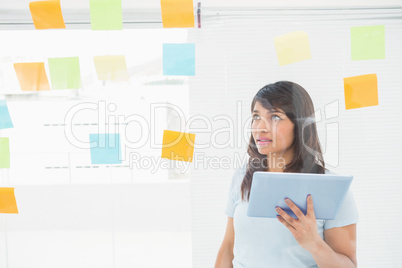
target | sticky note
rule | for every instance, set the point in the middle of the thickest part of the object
(178, 145)
(4, 153)
(177, 13)
(111, 68)
(32, 76)
(105, 148)
(292, 47)
(8, 204)
(368, 42)
(179, 59)
(106, 14)
(65, 73)
(5, 119)
(47, 14)
(361, 91)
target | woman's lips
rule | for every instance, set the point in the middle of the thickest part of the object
(263, 142)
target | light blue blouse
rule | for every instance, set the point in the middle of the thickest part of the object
(265, 242)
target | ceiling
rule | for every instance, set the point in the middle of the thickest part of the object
(152, 4)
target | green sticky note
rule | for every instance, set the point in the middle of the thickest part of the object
(106, 14)
(65, 73)
(368, 42)
(4, 153)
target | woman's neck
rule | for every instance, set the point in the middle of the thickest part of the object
(277, 161)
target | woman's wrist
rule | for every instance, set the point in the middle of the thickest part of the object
(318, 246)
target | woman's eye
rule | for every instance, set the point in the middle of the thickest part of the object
(275, 117)
(255, 117)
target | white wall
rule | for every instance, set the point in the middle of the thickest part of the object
(125, 225)
(236, 56)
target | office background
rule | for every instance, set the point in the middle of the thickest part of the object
(74, 213)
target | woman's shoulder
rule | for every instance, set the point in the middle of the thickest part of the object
(240, 172)
(238, 175)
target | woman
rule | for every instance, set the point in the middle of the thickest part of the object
(284, 139)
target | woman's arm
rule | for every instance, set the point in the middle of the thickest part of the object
(225, 253)
(339, 247)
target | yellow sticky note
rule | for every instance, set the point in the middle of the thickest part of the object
(361, 91)
(32, 76)
(292, 47)
(111, 68)
(8, 204)
(178, 145)
(177, 13)
(47, 14)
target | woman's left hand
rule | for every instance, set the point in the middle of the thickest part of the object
(304, 228)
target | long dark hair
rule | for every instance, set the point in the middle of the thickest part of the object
(294, 100)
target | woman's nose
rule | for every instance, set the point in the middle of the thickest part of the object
(263, 126)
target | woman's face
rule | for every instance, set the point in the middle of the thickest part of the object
(271, 130)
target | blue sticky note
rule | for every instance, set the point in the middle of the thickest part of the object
(105, 148)
(179, 59)
(5, 119)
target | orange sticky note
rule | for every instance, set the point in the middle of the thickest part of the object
(361, 91)
(47, 14)
(32, 76)
(178, 145)
(7, 200)
(177, 13)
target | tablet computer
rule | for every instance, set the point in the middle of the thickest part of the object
(269, 190)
